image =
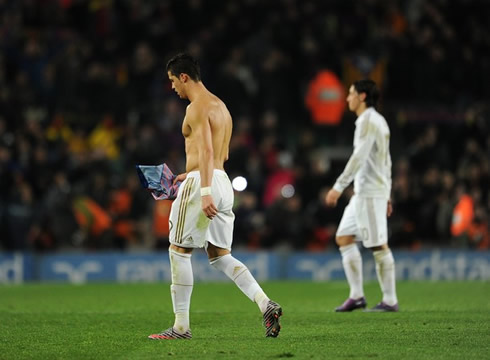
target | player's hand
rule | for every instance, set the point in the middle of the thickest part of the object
(180, 177)
(389, 209)
(332, 198)
(208, 207)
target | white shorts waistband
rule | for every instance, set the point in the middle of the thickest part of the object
(197, 174)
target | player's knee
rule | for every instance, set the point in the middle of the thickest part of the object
(215, 252)
(214, 260)
(344, 240)
(381, 247)
(180, 249)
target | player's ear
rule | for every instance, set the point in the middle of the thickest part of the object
(362, 96)
(183, 77)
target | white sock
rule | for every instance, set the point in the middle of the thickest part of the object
(352, 262)
(181, 288)
(261, 299)
(385, 270)
(242, 277)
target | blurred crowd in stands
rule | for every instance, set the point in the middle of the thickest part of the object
(84, 97)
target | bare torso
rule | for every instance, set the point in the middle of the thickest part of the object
(209, 108)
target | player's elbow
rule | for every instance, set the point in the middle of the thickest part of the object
(207, 154)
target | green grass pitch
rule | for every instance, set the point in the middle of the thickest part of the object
(442, 320)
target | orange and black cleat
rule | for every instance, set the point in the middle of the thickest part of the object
(171, 334)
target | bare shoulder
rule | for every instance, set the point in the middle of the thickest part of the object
(218, 107)
(206, 107)
(195, 111)
(213, 106)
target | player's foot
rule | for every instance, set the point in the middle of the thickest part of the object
(271, 319)
(171, 334)
(352, 304)
(383, 307)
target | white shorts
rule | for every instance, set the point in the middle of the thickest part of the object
(189, 226)
(366, 219)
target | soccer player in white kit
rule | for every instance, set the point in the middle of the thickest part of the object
(365, 217)
(201, 215)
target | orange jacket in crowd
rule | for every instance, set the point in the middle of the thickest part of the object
(462, 215)
(326, 98)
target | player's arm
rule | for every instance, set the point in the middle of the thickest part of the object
(180, 177)
(389, 209)
(358, 158)
(201, 128)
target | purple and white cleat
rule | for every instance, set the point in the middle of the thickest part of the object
(352, 304)
(383, 307)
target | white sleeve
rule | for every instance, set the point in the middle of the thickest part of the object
(358, 157)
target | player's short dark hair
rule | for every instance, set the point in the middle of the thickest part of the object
(184, 64)
(370, 89)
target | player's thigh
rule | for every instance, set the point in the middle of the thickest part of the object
(180, 249)
(372, 221)
(348, 230)
(188, 223)
(345, 240)
(220, 231)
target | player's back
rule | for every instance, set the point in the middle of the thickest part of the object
(374, 177)
(208, 108)
(221, 129)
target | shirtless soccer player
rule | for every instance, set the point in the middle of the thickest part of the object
(201, 215)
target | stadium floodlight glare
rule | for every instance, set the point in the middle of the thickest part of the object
(287, 191)
(239, 183)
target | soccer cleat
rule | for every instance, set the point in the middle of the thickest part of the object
(271, 319)
(383, 307)
(171, 334)
(352, 304)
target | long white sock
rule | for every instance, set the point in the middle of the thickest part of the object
(352, 262)
(385, 270)
(242, 277)
(181, 288)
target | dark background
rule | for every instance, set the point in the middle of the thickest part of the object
(84, 97)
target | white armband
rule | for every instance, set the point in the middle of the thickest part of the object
(206, 191)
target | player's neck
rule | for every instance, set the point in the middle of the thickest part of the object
(196, 90)
(362, 107)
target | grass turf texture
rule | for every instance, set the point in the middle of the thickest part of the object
(445, 320)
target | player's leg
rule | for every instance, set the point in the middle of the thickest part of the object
(238, 272)
(352, 264)
(182, 285)
(375, 227)
(182, 218)
(181, 291)
(385, 271)
(351, 260)
(219, 240)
